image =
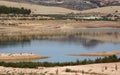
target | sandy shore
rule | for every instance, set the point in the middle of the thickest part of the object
(41, 29)
(92, 69)
(20, 57)
(98, 54)
(41, 25)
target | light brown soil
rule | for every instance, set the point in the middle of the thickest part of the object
(20, 57)
(98, 54)
(56, 24)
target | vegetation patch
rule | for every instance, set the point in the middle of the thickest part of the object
(83, 72)
(107, 59)
(13, 10)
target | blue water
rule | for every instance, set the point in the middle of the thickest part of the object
(58, 50)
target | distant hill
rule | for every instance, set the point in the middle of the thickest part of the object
(74, 4)
(38, 9)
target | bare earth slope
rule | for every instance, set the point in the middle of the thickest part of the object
(74, 4)
(38, 9)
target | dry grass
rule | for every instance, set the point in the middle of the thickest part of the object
(106, 10)
(93, 24)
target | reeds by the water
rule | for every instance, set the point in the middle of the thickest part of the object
(30, 35)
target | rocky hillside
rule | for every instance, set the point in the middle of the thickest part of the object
(75, 4)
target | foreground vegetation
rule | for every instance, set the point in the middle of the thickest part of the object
(24, 14)
(107, 59)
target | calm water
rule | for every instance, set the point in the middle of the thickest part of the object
(58, 49)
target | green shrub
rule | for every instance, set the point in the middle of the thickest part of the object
(13, 10)
(107, 59)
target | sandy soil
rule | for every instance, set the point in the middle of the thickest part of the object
(57, 24)
(98, 54)
(20, 57)
(92, 69)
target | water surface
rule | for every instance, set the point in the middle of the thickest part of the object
(59, 49)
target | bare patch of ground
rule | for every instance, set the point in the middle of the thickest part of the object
(98, 54)
(20, 57)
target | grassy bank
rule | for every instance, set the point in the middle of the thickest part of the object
(107, 59)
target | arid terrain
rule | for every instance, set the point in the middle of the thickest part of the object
(37, 25)
(74, 4)
(28, 29)
(92, 69)
(98, 54)
(40, 9)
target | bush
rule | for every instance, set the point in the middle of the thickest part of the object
(107, 59)
(13, 10)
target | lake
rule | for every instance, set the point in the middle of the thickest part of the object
(58, 49)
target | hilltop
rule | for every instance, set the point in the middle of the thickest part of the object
(40, 9)
(74, 4)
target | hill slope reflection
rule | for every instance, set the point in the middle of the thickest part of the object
(58, 48)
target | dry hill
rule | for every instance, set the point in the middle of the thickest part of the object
(38, 9)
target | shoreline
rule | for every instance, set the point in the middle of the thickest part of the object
(17, 57)
(45, 29)
(109, 53)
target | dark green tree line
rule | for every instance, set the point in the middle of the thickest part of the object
(13, 10)
(107, 59)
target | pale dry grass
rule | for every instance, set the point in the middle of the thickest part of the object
(106, 10)
(92, 24)
(47, 25)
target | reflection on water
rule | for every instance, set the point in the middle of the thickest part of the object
(75, 40)
(8, 44)
(79, 40)
(19, 60)
(58, 48)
